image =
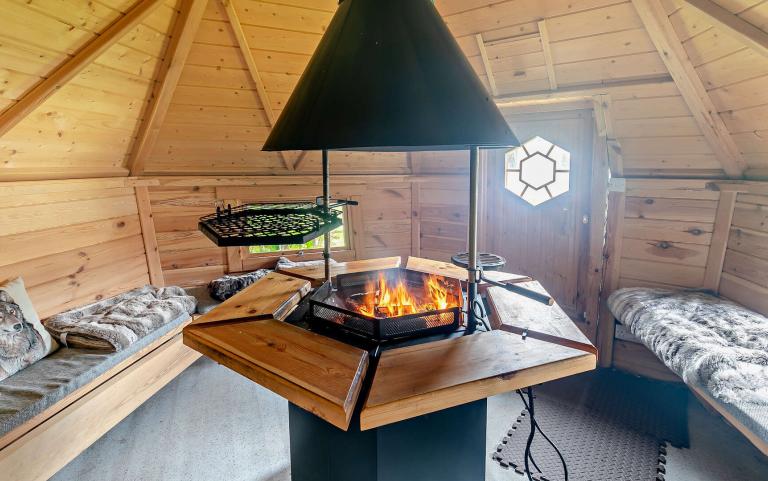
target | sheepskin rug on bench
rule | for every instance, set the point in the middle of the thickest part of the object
(706, 340)
(114, 324)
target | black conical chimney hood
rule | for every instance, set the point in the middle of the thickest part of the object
(389, 76)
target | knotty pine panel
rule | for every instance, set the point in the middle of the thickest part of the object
(81, 241)
(666, 233)
(745, 271)
(54, 141)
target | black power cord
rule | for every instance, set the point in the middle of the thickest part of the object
(530, 407)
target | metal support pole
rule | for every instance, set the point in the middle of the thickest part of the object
(472, 270)
(326, 203)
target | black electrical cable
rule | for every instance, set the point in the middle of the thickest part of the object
(478, 305)
(529, 406)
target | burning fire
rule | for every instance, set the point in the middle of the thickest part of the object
(385, 299)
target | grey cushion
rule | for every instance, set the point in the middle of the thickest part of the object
(753, 416)
(286, 263)
(205, 303)
(41, 385)
(623, 333)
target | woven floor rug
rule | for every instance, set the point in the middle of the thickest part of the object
(605, 426)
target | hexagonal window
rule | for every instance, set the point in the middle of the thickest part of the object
(537, 171)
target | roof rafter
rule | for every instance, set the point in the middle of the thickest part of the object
(38, 94)
(176, 54)
(487, 64)
(688, 82)
(547, 50)
(733, 25)
(245, 49)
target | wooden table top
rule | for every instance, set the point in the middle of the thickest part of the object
(450, 270)
(425, 378)
(316, 273)
(325, 376)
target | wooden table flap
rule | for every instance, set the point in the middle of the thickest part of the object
(272, 296)
(516, 313)
(323, 366)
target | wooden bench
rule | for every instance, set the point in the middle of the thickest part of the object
(75, 242)
(68, 427)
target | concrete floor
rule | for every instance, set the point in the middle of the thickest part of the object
(211, 424)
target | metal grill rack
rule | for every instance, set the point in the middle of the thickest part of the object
(271, 224)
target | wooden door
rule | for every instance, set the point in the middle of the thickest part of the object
(549, 241)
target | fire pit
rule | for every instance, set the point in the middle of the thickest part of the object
(389, 304)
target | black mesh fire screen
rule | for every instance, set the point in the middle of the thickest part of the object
(361, 305)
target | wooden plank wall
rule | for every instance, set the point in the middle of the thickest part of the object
(380, 226)
(217, 122)
(678, 233)
(734, 74)
(73, 242)
(745, 271)
(667, 232)
(86, 128)
(441, 215)
(590, 41)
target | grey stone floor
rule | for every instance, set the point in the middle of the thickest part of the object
(210, 424)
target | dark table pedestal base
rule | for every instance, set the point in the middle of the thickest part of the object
(445, 446)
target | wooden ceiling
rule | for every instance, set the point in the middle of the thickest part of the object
(193, 86)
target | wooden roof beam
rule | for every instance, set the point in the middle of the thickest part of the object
(74, 65)
(245, 49)
(176, 54)
(547, 50)
(733, 25)
(487, 64)
(689, 83)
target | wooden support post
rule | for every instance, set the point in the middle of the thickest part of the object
(544, 33)
(176, 54)
(663, 35)
(74, 65)
(151, 249)
(597, 234)
(487, 64)
(245, 49)
(604, 121)
(733, 25)
(611, 271)
(415, 219)
(719, 245)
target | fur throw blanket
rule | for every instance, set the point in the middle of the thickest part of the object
(115, 323)
(708, 341)
(286, 263)
(227, 286)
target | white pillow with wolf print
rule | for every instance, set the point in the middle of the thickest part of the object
(23, 339)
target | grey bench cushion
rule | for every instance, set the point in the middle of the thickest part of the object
(713, 344)
(205, 302)
(41, 385)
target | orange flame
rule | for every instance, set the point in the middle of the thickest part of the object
(385, 300)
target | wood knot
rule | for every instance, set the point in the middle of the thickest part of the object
(663, 245)
(695, 231)
(649, 201)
